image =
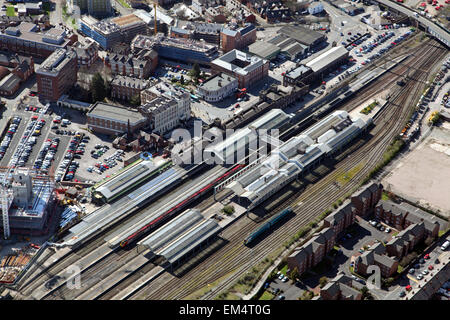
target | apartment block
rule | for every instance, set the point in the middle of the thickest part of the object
(57, 74)
(402, 215)
(366, 199)
(339, 288)
(376, 256)
(312, 252)
(342, 218)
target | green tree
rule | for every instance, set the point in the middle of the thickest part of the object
(294, 274)
(228, 210)
(136, 100)
(98, 88)
(195, 71)
(323, 281)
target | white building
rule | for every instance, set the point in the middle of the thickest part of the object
(166, 106)
(217, 88)
(315, 7)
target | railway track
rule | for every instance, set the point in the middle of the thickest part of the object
(236, 256)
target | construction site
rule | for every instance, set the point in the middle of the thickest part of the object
(28, 203)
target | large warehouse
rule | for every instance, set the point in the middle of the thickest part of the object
(315, 69)
(296, 157)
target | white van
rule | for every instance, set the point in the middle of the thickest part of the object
(445, 245)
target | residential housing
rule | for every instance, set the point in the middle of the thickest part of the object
(125, 88)
(341, 287)
(312, 252)
(11, 80)
(376, 256)
(87, 53)
(217, 87)
(246, 68)
(57, 74)
(139, 66)
(402, 215)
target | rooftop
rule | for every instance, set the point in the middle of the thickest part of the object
(326, 58)
(231, 60)
(117, 113)
(57, 61)
(217, 81)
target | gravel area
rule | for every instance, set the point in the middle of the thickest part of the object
(423, 174)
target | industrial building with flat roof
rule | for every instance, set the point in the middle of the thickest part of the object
(264, 49)
(297, 156)
(112, 119)
(315, 69)
(57, 74)
(217, 87)
(26, 39)
(248, 69)
(177, 49)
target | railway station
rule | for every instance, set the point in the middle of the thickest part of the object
(180, 236)
(297, 156)
(125, 180)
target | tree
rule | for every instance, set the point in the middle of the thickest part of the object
(294, 274)
(136, 100)
(228, 210)
(323, 281)
(98, 88)
(364, 292)
(195, 71)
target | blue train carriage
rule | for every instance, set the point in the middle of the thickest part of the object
(267, 226)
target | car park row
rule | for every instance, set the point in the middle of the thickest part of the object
(9, 134)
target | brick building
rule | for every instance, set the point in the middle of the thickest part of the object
(233, 37)
(247, 69)
(114, 120)
(312, 252)
(342, 218)
(366, 199)
(376, 256)
(125, 88)
(139, 66)
(340, 288)
(87, 54)
(57, 74)
(26, 39)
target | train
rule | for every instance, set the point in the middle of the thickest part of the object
(267, 226)
(179, 206)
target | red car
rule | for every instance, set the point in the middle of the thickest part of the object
(349, 33)
(427, 256)
(430, 267)
(34, 117)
